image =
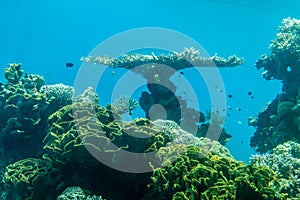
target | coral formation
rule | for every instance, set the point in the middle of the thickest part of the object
(157, 70)
(284, 160)
(124, 104)
(279, 121)
(58, 94)
(77, 193)
(192, 175)
(186, 59)
(31, 178)
(24, 111)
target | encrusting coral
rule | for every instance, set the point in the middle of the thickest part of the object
(279, 121)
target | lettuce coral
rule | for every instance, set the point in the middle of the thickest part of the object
(192, 176)
(31, 178)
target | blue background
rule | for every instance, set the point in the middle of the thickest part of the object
(44, 35)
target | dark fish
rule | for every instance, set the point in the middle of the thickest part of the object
(249, 93)
(69, 64)
(181, 72)
(230, 96)
(238, 109)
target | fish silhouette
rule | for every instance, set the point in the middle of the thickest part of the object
(69, 64)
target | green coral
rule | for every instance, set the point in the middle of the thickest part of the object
(13, 73)
(188, 175)
(30, 178)
(24, 111)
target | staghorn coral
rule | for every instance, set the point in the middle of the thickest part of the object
(30, 178)
(190, 175)
(284, 160)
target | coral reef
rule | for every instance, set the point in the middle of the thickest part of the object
(24, 111)
(284, 160)
(31, 178)
(280, 120)
(189, 174)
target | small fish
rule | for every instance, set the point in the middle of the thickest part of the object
(230, 96)
(249, 93)
(238, 109)
(69, 64)
(181, 72)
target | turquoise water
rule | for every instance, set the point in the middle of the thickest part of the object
(45, 35)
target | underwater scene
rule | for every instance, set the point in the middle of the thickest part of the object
(150, 100)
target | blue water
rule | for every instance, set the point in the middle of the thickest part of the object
(44, 35)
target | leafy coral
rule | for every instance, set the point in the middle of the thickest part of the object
(189, 175)
(31, 178)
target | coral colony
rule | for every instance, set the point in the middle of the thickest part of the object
(47, 135)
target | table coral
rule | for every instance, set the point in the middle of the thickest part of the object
(157, 70)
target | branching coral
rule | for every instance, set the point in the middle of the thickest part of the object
(58, 94)
(124, 104)
(77, 193)
(285, 161)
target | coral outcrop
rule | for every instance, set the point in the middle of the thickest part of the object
(24, 112)
(279, 121)
(157, 70)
